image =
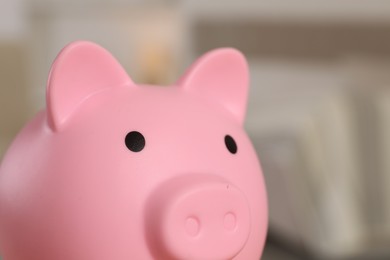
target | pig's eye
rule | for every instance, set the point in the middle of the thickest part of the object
(135, 141)
(230, 144)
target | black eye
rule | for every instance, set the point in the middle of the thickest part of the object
(230, 144)
(135, 141)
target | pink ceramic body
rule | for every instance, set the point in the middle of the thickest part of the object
(71, 189)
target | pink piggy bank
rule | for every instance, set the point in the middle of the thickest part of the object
(115, 170)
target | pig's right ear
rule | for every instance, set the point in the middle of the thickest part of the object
(80, 70)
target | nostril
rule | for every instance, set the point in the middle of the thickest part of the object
(192, 226)
(230, 221)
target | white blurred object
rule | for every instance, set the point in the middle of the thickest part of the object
(12, 19)
(133, 33)
(301, 124)
(372, 104)
(384, 115)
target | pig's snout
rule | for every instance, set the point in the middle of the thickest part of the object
(198, 217)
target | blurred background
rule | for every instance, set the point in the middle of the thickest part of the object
(319, 110)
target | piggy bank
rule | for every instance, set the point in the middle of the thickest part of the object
(116, 170)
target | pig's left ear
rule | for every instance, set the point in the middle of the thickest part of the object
(222, 75)
(81, 70)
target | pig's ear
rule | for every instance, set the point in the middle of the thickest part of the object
(222, 75)
(80, 70)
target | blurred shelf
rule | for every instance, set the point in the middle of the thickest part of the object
(304, 10)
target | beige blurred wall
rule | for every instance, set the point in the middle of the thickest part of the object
(13, 91)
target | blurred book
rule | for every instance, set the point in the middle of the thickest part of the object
(371, 97)
(307, 148)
